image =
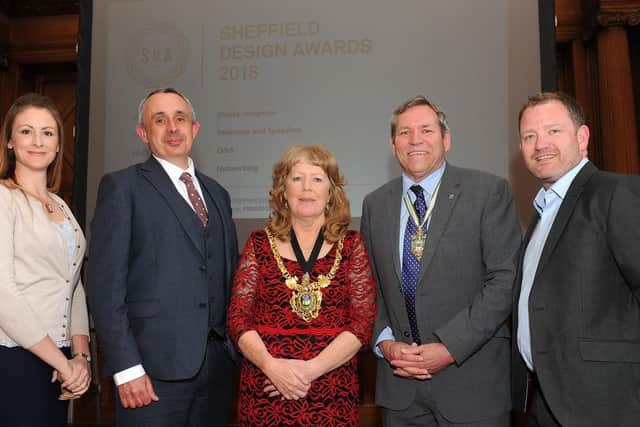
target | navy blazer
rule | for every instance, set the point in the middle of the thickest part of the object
(149, 279)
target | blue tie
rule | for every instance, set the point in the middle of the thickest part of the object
(410, 264)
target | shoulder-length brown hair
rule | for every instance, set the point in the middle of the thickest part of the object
(7, 156)
(337, 214)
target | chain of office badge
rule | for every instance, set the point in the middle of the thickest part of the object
(306, 298)
(419, 239)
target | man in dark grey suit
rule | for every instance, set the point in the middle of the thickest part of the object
(163, 250)
(577, 298)
(442, 242)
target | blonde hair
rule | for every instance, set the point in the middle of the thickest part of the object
(338, 214)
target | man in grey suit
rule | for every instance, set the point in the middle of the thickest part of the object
(577, 297)
(162, 255)
(442, 242)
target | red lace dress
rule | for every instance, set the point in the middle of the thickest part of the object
(260, 302)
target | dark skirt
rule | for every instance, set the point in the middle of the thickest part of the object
(28, 398)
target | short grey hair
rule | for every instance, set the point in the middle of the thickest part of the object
(164, 90)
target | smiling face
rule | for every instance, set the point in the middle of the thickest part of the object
(34, 140)
(550, 143)
(307, 192)
(419, 143)
(169, 129)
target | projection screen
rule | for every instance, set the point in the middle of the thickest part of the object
(263, 75)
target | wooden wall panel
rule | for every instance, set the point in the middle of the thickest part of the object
(594, 60)
(44, 39)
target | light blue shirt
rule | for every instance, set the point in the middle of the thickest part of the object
(428, 185)
(547, 203)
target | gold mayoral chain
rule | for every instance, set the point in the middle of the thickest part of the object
(306, 298)
(418, 240)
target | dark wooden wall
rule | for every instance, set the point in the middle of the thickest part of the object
(38, 54)
(598, 56)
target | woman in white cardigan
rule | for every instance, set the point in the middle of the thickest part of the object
(44, 334)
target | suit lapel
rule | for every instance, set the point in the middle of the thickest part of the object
(153, 172)
(447, 196)
(392, 231)
(566, 209)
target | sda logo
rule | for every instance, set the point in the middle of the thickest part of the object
(157, 55)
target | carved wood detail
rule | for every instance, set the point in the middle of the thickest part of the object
(619, 19)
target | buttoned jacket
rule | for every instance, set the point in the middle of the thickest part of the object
(151, 273)
(463, 295)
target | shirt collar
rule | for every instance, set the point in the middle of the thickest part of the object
(174, 171)
(428, 183)
(559, 188)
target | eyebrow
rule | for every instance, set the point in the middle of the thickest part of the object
(164, 113)
(18, 125)
(421, 125)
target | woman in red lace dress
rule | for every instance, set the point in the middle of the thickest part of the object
(303, 301)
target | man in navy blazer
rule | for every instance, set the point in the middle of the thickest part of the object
(576, 310)
(162, 255)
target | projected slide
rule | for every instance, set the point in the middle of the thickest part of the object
(263, 75)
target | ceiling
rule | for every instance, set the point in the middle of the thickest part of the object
(22, 8)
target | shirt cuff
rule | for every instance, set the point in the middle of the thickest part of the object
(128, 375)
(385, 334)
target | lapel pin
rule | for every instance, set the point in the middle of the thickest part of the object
(451, 196)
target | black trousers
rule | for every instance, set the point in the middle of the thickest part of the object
(28, 397)
(201, 401)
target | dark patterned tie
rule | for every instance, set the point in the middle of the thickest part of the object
(410, 264)
(194, 197)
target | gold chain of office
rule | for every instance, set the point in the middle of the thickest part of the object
(306, 299)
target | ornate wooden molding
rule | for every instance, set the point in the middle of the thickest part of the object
(619, 19)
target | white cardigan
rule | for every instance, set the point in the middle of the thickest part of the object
(39, 294)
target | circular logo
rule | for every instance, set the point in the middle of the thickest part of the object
(157, 55)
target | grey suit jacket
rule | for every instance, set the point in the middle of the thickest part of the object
(149, 271)
(463, 295)
(584, 308)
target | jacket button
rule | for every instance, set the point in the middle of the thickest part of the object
(202, 305)
(406, 334)
(203, 268)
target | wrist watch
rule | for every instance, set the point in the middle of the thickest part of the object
(85, 355)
